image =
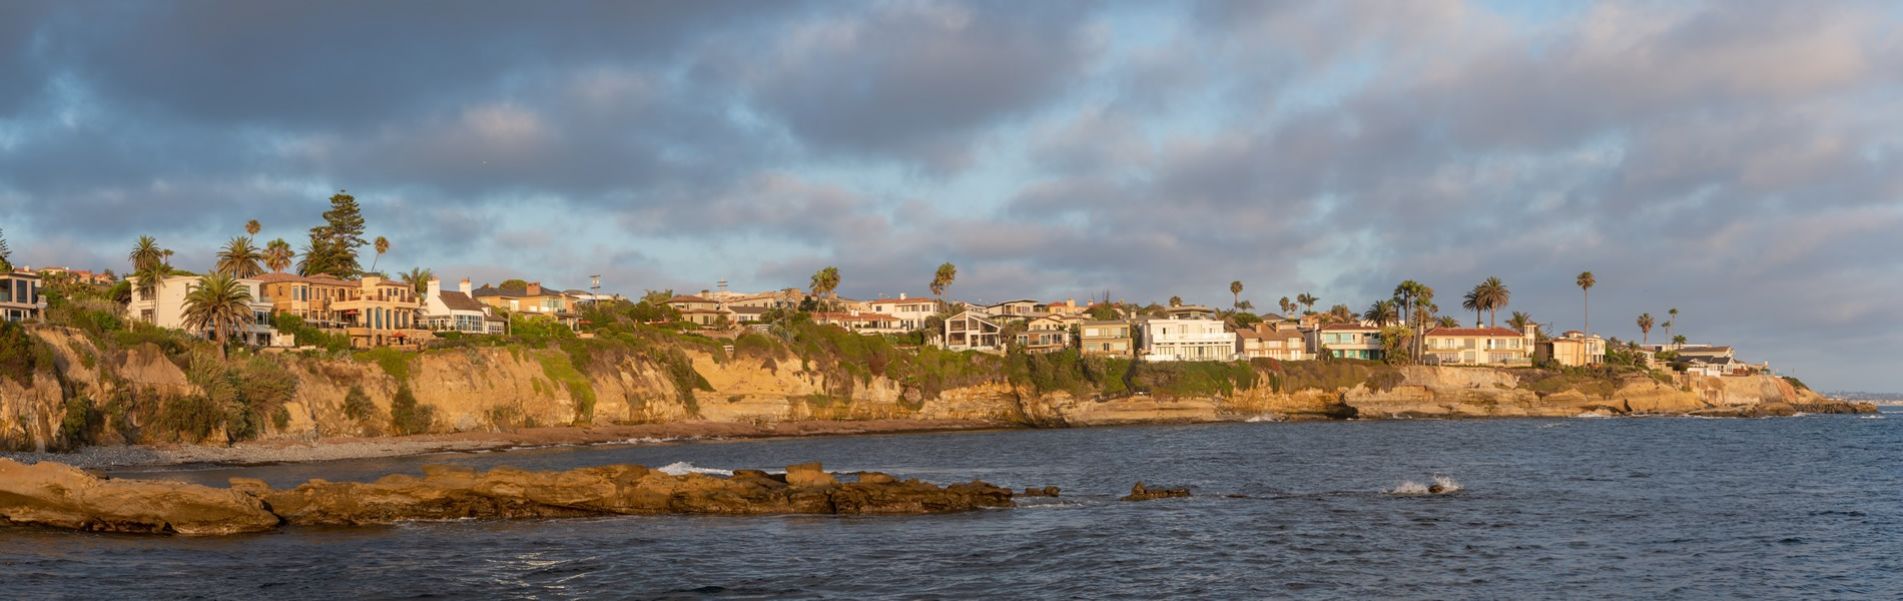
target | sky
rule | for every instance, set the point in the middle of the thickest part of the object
(1735, 159)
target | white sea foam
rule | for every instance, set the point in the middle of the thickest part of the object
(682, 468)
(1594, 414)
(1264, 418)
(1441, 485)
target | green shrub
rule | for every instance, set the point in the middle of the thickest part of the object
(357, 405)
(81, 422)
(22, 354)
(310, 336)
(394, 362)
(537, 331)
(1796, 383)
(560, 368)
(408, 417)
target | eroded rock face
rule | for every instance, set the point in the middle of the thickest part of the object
(51, 494)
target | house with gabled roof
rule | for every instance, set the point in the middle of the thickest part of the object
(1480, 346)
(457, 311)
(973, 331)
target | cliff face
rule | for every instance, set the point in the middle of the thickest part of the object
(486, 389)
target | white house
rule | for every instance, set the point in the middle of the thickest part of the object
(458, 311)
(20, 298)
(911, 312)
(166, 309)
(973, 331)
(1187, 340)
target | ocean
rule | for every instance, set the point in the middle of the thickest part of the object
(1623, 508)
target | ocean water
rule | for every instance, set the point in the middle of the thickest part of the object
(1643, 508)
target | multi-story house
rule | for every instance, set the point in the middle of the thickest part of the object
(973, 331)
(165, 308)
(307, 297)
(1045, 334)
(1107, 339)
(20, 297)
(861, 322)
(1347, 341)
(911, 312)
(1480, 346)
(1187, 340)
(1281, 341)
(1573, 349)
(456, 311)
(532, 300)
(1189, 312)
(381, 313)
(1023, 308)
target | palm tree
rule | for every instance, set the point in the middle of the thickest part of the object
(1519, 321)
(1176, 301)
(1678, 340)
(419, 278)
(1341, 314)
(1308, 301)
(1645, 327)
(1383, 313)
(1493, 296)
(1409, 295)
(1473, 301)
(220, 304)
(1447, 321)
(146, 252)
(239, 259)
(1235, 290)
(825, 281)
(1585, 282)
(252, 227)
(1673, 322)
(278, 255)
(383, 246)
(943, 278)
(1288, 306)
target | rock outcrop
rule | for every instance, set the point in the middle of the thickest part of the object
(1139, 492)
(59, 496)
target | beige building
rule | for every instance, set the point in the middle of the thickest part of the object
(911, 312)
(380, 313)
(20, 297)
(973, 331)
(1347, 341)
(307, 297)
(1573, 349)
(1045, 334)
(1481, 346)
(1107, 339)
(861, 322)
(1273, 341)
(165, 308)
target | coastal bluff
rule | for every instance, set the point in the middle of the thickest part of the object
(128, 395)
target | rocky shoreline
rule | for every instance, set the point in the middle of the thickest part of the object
(61, 496)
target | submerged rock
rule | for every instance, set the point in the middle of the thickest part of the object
(1145, 493)
(1048, 491)
(60, 496)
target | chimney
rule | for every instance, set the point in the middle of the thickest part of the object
(901, 296)
(466, 289)
(435, 288)
(535, 289)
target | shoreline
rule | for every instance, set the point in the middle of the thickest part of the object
(286, 450)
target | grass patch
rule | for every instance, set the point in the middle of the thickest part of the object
(560, 369)
(1330, 375)
(393, 361)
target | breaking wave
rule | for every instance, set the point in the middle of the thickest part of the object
(682, 468)
(1441, 485)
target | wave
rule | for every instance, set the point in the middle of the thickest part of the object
(1594, 415)
(1264, 418)
(1441, 485)
(682, 468)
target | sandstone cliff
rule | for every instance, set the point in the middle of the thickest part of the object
(498, 388)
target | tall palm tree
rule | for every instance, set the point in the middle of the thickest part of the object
(1383, 312)
(1585, 282)
(278, 255)
(418, 278)
(1493, 296)
(252, 227)
(219, 304)
(1341, 314)
(1520, 321)
(1673, 322)
(825, 281)
(943, 278)
(383, 246)
(1645, 327)
(1472, 300)
(145, 252)
(1235, 290)
(1288, 306)
(239, 259)
(1308, 301)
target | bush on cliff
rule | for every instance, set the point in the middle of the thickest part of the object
(310, 336)
(408, 417)
(22, 354)
(81, 423)
(236, 396)
(1331, 375)
(1194, 378)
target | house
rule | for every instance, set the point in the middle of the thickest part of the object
(79, 276)
(532, 300)
(912, 312)
(861, 322)
(686, 303)
(1067, 306)
(456, 311)
(746, 314)
(1572, 349)
(1273, 341)
(1187, 340)
(1347, 341)
(307, 297)
(1482, 346)
(381, 313)
(20, 298)
(1045, 334)
(165, 308)
(972, 330)
(1189, 312)
(1023, 308)
(1106, 339)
